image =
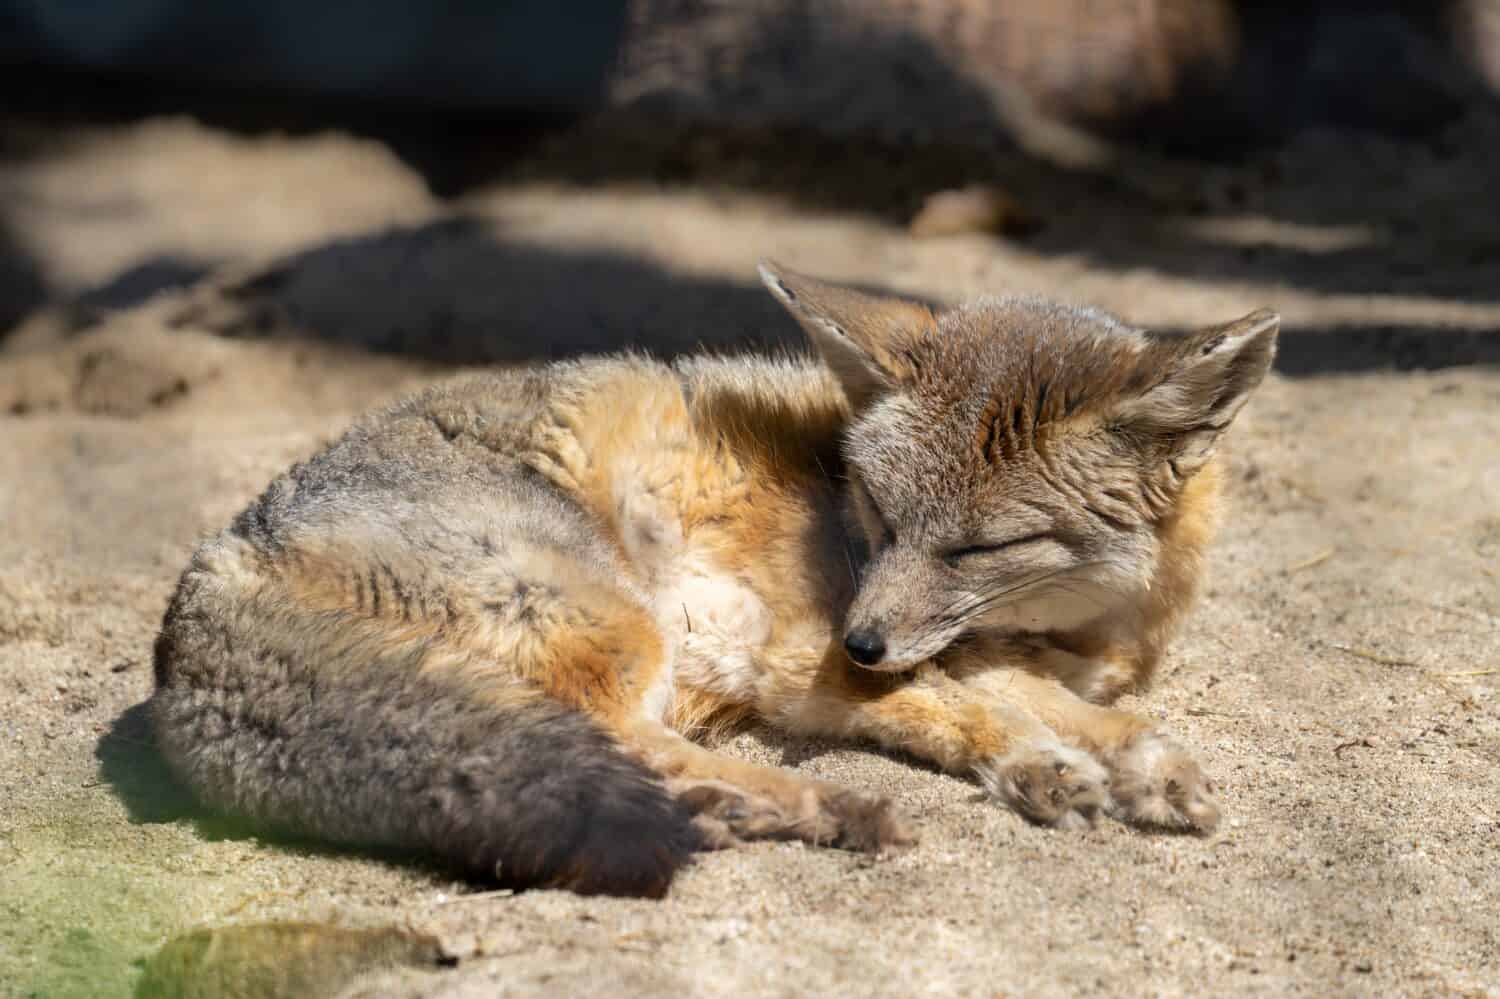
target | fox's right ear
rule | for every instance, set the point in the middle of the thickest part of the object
(866, 340)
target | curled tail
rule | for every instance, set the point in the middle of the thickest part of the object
(506, 786)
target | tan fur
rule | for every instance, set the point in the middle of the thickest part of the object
(1101, 663)
(1001, 510)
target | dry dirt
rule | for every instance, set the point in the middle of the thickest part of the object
(218, 305)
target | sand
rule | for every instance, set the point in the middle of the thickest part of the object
(214, 305)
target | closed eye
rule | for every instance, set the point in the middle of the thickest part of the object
(887, 535)
(957, 555)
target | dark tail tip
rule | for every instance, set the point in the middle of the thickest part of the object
(567, 809)
(631, 845)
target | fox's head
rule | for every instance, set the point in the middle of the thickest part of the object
(1011, 461)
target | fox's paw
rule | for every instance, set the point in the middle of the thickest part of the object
(1157, 783)
(853, 820)
(1049, 783)
(727, 816)
(824, 815)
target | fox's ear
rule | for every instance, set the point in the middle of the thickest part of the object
(865, 339)
(1201, 382)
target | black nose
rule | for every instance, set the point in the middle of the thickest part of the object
(864, 647)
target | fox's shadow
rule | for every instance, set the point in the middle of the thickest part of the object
(133, 768)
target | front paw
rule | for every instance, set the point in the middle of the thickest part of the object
(863, 822)
(1157, 783)
(1049, 783)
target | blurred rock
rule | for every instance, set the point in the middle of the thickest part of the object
(1475, 26)
(276, 960)
(1199, 75)
(980, 208)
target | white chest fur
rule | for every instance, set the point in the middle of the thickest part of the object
(719, 624)
(712, 623)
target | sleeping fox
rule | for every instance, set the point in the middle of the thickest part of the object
(490, 622)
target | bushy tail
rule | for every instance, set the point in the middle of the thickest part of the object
(515, 789)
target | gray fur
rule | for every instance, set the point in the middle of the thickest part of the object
(1047, 440)
(297, 718)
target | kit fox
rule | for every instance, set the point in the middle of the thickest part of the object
(488, 622)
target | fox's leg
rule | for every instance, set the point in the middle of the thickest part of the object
(1153, 779)
(967, 732)
(594, 647)
(1036, 746)
(600, 651)
(740, 800)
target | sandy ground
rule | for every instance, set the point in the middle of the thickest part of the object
(215, 306)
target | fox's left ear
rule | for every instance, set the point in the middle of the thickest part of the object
(1199, 386)
(866, 340)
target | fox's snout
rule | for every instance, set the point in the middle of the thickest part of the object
(894, 621)
(865, 646)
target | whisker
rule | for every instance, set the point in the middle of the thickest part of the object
(1082, 595)
(1056, 577)
(1080, 589)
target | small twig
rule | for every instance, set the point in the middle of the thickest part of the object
(640, 941)
(1469, 672)
(1355, 744)
(478, 895)
(1374, 657)
(1205, 713)
(688, 619)
(1308, 563)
